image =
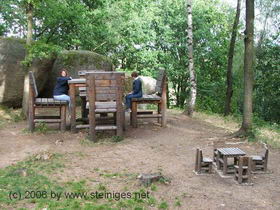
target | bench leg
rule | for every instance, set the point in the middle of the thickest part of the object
(134, 114)
(62, 118)
(159, 112)
(31, 118)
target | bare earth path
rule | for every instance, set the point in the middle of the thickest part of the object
(150, 148)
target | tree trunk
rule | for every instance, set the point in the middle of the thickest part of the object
(248, 70)
(190, 108)
(230, 60)
(29, 14)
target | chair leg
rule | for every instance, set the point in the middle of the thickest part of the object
(62, 118)
(210, 168)
(196, 160)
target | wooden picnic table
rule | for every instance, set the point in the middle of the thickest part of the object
(224, 154)
(73, 85)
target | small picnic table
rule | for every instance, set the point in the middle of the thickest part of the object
(224, 154)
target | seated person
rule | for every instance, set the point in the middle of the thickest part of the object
(137, 90)
(60, 91)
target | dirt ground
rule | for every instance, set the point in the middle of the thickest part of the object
(150, 148)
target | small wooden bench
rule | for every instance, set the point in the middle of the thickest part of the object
(43, 103)
(202, 163)
(159, 98)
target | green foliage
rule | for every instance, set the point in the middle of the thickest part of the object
(146, 35)
(40, 50)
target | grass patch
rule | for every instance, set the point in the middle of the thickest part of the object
(30, 180)
(262, 131)
(8, 115)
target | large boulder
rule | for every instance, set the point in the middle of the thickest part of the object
(12, 53)
(75, 61)
(148, 85)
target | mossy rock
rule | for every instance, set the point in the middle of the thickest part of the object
(12, 53)
(75, 61)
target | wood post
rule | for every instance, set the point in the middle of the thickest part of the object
(63, 118)
(31, 110)
(196, 160)
(134, 114)
(91, 98)
(72, 107)
(119, 114)
(163, 104)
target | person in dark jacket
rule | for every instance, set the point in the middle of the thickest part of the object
(60, 91)
(137, 90)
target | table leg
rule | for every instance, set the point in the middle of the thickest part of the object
(225, 165)
(72, 107)
(218, 160)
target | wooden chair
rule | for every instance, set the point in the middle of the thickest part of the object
(259, 162)
(104, 93)
(243, 170)
(201, 163)
(159, 98)
(216, 145)
(43, 103)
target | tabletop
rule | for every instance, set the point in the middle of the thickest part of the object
(231, 151)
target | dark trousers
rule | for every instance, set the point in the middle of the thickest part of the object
(129, 97)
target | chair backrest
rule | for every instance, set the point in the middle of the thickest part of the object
(32, 83)
(160, 81)
(201, 155)
(105, 86)
(243, 161)
(266, 154)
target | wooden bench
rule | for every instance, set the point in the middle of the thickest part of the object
(159, 98)
(105, 93)
(202, 163)
(43, 103)
(259, 162)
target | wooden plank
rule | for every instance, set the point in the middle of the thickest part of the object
(47, 120)
(75, 81)
(105, 110)
(105, 127)
(149, 116)
(47, 117)
(105, 97)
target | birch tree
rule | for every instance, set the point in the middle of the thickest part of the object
(190, 108)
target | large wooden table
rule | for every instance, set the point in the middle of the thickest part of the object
(224, 154)
(73, 84)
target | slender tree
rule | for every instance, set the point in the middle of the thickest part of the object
(28, 4)
(190, 108)
(248, 70)
(230, 60)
